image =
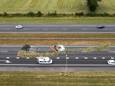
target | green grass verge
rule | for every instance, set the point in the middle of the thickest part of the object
(57, 79)
(57, 20)
(10, 35)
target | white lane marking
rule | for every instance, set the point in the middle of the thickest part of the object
(7, 57)
(112, 57)
(17, 57)
(76, 57)
(7, 61)
(67, 57)
(58, 57)
(27, 57)
(85, 57)
(103, 57)
(94, 57)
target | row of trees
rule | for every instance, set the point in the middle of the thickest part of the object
(54, 14)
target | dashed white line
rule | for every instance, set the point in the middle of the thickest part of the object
(7, 61)
(67, 57)
(7, 57)
(76, 57)
(27, 57)
(94, 57)
(17, 57)
(103, 57)
(58, 57)
(85, 57)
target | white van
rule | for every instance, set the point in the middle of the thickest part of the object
(44, 60)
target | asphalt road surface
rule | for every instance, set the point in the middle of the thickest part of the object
(61, 63)
(82, 58)
(58, 28)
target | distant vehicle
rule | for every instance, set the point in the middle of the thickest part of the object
(100, 27)
(18, 27)
(44, 60)
(111, 62)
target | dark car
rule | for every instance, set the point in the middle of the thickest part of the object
(100, 27)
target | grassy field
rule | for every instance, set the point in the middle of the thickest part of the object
(57, 20)
(57, 79)
(61, 6)
(10, 35)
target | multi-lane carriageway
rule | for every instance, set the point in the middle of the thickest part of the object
(91, 58)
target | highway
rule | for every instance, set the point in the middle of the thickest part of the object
(61, 63)
(61, 59)
(96, 61)
(74, 61)
(97, 58)
(58, 29)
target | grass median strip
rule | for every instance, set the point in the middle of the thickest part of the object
(53, 42)
(97, 35)
(57, 79)
(57, 20)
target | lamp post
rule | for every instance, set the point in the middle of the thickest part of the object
(66, 64)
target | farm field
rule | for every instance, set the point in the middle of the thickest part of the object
(61, 6)
(57, 79)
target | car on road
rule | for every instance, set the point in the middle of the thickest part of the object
(44, 60)
(18, 27)
(101, 27)
(111, 62)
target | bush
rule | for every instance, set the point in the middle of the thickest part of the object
(26, 47)
(52, 14)
(31, 14)
(39, 14)
(5, 14)
(79, 14)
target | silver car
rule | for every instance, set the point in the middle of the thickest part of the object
(19, 27)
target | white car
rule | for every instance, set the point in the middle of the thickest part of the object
(44, 60)
(19, 27)
(111, 62)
